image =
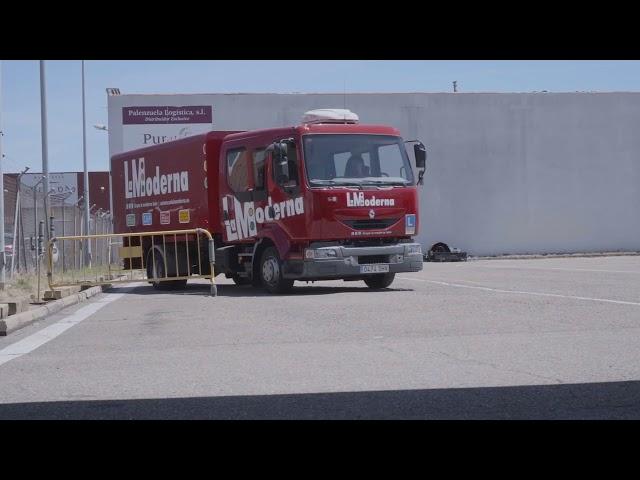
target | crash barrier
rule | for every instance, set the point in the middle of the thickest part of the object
(165, 258)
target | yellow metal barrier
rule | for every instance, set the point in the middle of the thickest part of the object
(170, 256)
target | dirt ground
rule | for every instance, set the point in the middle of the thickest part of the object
(23, 286)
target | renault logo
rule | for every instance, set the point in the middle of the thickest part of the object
(372, 214)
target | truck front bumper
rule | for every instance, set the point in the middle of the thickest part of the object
(347, 262)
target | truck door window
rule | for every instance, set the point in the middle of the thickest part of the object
(259, 157)
(238, 169)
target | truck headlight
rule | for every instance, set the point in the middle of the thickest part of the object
(316, 253)
(413, 249)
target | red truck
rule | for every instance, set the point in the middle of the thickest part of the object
(327, 199)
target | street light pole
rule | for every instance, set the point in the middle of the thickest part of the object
(104, 128)
(87, 249)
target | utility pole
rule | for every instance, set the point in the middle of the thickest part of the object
(15, 225)
(35, 213)
(2, 256)
(45, 145)
(39, 252)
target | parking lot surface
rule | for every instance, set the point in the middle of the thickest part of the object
(543, 338)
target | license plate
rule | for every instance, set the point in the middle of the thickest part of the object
(380, 268)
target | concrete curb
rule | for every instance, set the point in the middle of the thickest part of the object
(20, 320)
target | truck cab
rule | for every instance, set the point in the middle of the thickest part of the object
(327, 199)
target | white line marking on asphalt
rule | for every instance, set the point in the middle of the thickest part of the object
(556, 268)
(540, 294)
(29, 344)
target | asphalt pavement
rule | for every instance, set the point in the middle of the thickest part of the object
(551, 338)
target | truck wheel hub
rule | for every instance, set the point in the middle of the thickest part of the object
(270, 270)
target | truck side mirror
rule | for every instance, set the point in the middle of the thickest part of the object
(421, 155)
(421, 160)
(279, 149)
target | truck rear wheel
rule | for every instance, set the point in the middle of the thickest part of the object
(382, 280)
(155, 269)
(271, 272)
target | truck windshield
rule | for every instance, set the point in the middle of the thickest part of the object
(347, 159)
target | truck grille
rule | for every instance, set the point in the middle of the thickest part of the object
(369, 224)
(369, 259)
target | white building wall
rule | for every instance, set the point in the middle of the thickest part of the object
(507, 173)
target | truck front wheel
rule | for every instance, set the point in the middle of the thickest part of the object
(271, 272)
(380, 281)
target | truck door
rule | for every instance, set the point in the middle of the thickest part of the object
(237, 195)
(284, 187)
(289, 185)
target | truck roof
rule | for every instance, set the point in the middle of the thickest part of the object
(284, 131)
(319, 128)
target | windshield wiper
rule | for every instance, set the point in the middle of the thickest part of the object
(335, 182)
(386, 182)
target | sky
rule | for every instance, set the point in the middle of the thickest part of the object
(20, 91)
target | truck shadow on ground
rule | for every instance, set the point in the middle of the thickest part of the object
(589, 401)
(230, 290)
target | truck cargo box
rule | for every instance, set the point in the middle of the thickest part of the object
(167, 186)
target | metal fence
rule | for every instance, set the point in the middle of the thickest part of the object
(26, 207)
(164, 258)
